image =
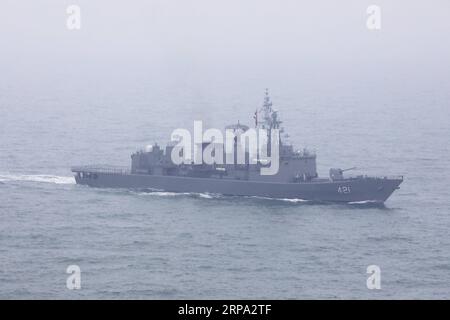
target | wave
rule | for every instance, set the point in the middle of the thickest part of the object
(214, 196)
(163, 194)
(178, 194)
(292, 200)
(208, 196)
(43, 178)
(218, 196)
(364, 202)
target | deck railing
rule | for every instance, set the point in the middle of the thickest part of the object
(101, 169)
(390, 177)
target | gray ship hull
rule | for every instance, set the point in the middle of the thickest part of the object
(347, 190)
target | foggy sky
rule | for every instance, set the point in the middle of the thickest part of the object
(232, 37)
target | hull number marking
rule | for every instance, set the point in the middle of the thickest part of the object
(344, 189)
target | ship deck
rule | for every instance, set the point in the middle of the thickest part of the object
(120, 170)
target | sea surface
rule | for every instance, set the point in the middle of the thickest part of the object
(166, 246)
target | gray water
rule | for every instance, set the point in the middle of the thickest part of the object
(164, 245)
(377, 100)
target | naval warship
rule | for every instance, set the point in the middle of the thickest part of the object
(153, 169)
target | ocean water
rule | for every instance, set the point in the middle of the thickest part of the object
(167, 246)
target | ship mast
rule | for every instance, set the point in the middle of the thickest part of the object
(270, 119)
(270, 116)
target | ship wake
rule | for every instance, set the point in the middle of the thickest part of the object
(216, 196)
(41, 178)
(158, 193)
(291, 200)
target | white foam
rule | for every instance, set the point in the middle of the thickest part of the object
(293, 200)
(212, 196)
(162, 194)
(364, 202)
(206, 196)
(37, 178)
(174, 194)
